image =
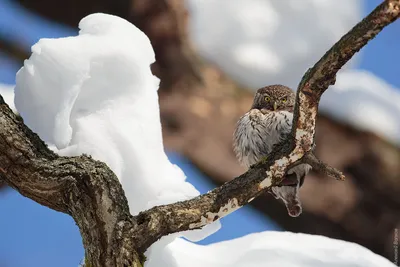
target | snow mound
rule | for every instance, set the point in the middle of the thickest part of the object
(94, 93)
(7, 92)
(260, 42)
(272, 249)
(366, 102)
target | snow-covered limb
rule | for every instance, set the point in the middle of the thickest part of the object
(90, 192)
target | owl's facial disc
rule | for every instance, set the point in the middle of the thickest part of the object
(265, 102)
(274, 98)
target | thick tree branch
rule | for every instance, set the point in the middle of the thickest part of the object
(90, 192)
(80, 186)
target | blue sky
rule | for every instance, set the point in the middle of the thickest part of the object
(33, 235)
(381, 55)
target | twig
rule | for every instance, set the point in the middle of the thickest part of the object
(322, 167)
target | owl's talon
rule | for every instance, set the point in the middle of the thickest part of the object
(289, 180)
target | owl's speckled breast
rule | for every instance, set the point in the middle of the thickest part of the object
(256, 134)
(269, 121)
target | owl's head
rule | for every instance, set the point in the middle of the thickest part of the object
(274, 98)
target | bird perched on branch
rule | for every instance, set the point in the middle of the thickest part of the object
(265, 125)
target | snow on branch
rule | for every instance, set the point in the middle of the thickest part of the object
(90, 192)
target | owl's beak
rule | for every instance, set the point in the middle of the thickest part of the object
(275, 106)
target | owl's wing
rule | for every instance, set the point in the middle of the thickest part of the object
(284, 123)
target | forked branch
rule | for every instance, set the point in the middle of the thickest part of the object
(90, 192)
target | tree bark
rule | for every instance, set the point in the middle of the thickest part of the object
(111, 236)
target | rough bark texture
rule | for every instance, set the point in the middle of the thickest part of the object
(215, 95)
(79, 186)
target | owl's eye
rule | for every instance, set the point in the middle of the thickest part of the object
(284, 99)
(267, 99)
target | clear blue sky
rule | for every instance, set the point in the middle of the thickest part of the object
(33, 235)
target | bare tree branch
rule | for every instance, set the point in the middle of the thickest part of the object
(90, 192)
(322, 167)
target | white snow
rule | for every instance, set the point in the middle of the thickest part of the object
(95, 94)
(275, 249)
(7, 92)
(261, 42)
(366, 102)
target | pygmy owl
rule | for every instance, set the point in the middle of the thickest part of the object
(266, 124)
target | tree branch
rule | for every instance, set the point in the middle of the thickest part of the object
(322, 167)
(232, 195)
(82, 187)
(90, 192)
